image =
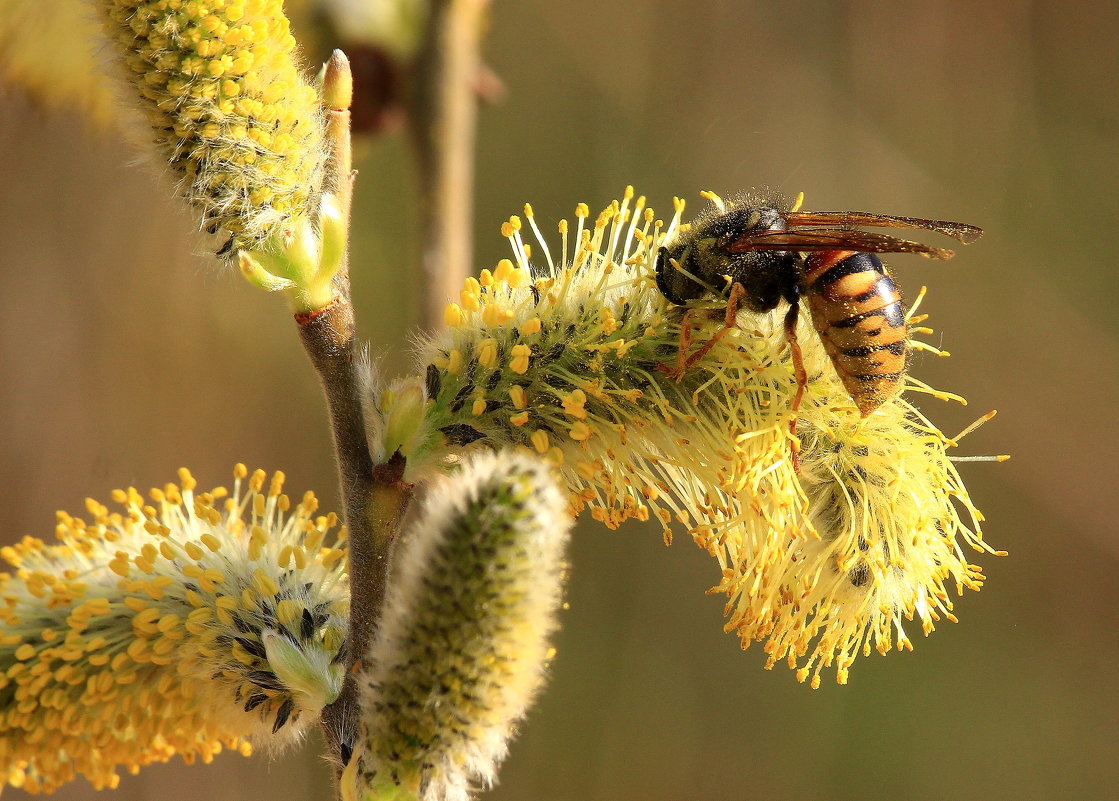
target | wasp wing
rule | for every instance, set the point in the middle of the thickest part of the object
(833, 239)
(960, 231)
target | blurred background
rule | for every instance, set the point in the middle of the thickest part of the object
(125, 353)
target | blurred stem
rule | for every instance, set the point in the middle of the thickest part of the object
(442, 118)
(374, 497)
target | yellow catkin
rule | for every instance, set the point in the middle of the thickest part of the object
(820, 563)
(234, 118)
(111, 672)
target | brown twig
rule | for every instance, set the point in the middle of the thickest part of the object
(443, 111)
(442, 118)
(374, 497)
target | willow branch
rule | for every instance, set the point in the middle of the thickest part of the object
(374, 497)
(442, 117)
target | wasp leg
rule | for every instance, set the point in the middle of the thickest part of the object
(801, 376)
(682, 348)
(683, 359)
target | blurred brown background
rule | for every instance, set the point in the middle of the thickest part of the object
(125, 353)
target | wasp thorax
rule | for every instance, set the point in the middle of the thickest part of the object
(702, 262)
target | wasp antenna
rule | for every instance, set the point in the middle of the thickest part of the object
(797, 203)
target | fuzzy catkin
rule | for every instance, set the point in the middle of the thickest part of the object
(569, 353)
(464, 641)
(179, 626)
(235, 120)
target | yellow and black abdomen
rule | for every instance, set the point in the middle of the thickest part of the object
(856, 308)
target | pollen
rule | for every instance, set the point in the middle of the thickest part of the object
(452, 315)
(521, 356)
(580, 432)
(531, 326)
(503, 271)
(487, 353)
(575, 403)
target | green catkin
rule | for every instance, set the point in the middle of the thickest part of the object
(464, 641)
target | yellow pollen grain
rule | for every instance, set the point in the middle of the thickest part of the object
(573, 403)
(452, 315)
(487, 353)
(264, 583)
(200, 615)
(531, 326)
(288, 612)
(521, 359)
(24, 652)
(580, 432)
(496, 314)
(503, 270)
(284, 556)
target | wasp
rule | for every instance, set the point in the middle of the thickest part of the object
(758, 255)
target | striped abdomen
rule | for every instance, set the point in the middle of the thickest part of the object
(856, 308)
